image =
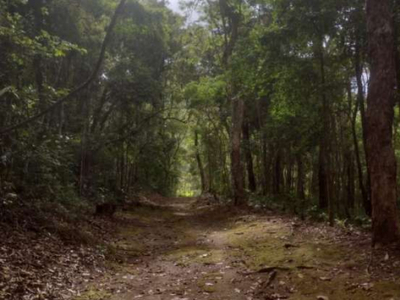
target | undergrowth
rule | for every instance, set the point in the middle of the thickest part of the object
(308, 210)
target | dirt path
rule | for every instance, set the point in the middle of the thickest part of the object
(179, 252)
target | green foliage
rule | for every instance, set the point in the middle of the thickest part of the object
(159, 115)
(115, 138)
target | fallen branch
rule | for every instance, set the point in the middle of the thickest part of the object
(305, 267)
(272, 269)
(271, 278)
(266, 270)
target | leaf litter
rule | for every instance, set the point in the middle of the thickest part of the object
(171, 251)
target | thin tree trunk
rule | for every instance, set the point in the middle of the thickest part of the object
(122, 167)
(314, 182)
(237, 168)
(200, 164)
(325, 176)
(379, 120)
(360, 101)
(249, 158)
(266, 161)
(300, 185)
(300, 178)
(85, 152)
(324, 160)
(349, 197)
(277, 179)
(363, 190)
(266, 167)
(289, 173)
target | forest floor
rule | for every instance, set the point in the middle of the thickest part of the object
(178, 250)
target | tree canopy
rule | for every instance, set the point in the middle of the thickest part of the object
(262, 102)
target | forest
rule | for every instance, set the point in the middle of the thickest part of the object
(228, 149)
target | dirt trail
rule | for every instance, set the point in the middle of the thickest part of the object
(176, 252)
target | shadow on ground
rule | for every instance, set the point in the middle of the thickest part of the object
(177, 250)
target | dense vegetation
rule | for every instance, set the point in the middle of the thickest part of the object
(259, 101)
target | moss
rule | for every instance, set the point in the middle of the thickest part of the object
(388, 289)
(131, 247)
(264, 245)
(93, 294)
(208, 282)
(130, 232)
(126, 248)
(339, 288)
(192, 255)
(206, 288)
(260, 244)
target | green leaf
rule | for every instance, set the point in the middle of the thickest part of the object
(5, 90)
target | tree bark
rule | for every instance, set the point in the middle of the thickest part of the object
(363, 190)
(360, 102)
(237, 169)
(300, 178)
(266, 162)
(289, 172)
(349, 168)
(249, 158)
(231, 33)
(379, 121)
(277, 179)
(204, 188)
(324, 155)
(300, 185)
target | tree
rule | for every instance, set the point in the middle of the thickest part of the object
(379, 119)
(231, 19)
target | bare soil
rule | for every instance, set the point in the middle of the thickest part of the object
(177, 250)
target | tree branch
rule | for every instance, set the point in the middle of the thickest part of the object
(132, 132)
(77, 90)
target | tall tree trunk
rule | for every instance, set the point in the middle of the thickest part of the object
(231, 20)
(289, 172)
(277, 178)
(300, 185)
(237, 168)
(266, 162)
(300, 178)
(349, 198)
(324, 155)
(86, 157)
(379, 121)
(360, 101)
(204, 188)
(122, 166)
(363, 190)
(249, 157)
(396, 23)
(36, 7)
(314, 182)
(325, 174)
